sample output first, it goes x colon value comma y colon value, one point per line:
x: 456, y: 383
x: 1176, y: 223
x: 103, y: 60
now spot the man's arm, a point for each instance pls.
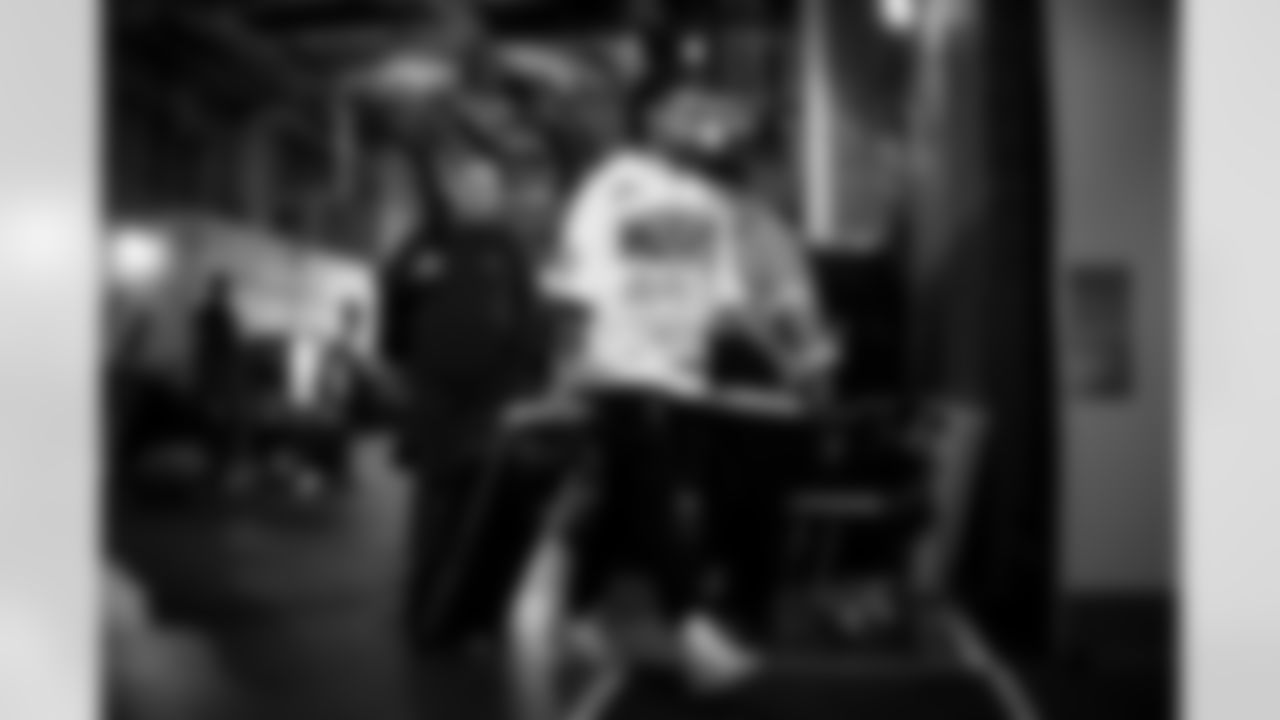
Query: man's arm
x: 568, y: 284
x: 780, y: 312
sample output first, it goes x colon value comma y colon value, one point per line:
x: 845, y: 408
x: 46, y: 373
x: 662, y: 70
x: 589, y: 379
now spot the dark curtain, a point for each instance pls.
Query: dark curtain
x: 982, y: 266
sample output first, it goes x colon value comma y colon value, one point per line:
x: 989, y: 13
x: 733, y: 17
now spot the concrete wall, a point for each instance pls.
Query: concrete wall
x: 1112, y: 67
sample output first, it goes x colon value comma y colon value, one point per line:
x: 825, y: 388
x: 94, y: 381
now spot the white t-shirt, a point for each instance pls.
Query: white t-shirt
x: 649, y: 250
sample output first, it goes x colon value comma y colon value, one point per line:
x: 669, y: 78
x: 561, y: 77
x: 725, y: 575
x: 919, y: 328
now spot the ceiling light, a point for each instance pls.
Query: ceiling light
x: 139, y: 258
x: 900, y: 15
x: 409, y: 74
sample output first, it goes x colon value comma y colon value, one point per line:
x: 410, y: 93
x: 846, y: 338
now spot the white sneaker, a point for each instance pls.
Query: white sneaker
x: 713, y: 659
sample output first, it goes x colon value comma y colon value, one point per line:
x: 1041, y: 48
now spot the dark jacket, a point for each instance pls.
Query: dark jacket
x: 468, y: 336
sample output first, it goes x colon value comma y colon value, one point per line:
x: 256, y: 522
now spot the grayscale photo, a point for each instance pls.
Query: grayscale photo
x: 638, y: 359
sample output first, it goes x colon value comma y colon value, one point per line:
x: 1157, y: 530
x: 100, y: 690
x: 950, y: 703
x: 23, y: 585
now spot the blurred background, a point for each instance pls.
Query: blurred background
x: 984, y: 188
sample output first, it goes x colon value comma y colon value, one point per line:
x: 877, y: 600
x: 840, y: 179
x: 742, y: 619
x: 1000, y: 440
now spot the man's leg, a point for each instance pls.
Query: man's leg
x: 440, y: 509
x: 712, y: 655
x: 653, y: 466
x: 748, y: 463
x: 629, y: 534
x: 647, y: 456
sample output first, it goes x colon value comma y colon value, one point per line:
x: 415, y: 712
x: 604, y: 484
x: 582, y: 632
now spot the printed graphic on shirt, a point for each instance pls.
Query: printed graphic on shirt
x: 677, y: 235
x: 670, y: 258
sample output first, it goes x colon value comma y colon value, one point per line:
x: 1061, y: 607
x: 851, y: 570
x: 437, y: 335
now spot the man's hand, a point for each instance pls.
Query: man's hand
x: 814, y: 389
x: 550, y: 409
x: 811, y: 366
x: 754, y: 401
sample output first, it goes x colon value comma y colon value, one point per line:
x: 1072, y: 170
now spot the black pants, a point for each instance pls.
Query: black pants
x: 719, y: 551
x: 647, y: 456
x: 444, y: 437
x: 748, y: 462
x: 478, y: 511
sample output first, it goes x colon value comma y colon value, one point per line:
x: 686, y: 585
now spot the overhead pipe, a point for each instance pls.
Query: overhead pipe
x: 817, y: 138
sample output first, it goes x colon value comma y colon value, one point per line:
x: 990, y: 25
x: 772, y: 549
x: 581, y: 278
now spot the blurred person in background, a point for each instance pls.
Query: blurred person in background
x: 478, y: 315
x: 537, y: 181
x: 408, y: 214
x: 458, y: 300
x: 219, y: 338
x: 489, y: 302
x: 355, y: 381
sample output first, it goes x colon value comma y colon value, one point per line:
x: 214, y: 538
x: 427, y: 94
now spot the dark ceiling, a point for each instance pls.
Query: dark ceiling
x: 222, y: 60
x: 188, y: 78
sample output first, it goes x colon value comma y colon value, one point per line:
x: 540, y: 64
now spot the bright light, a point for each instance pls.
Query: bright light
x: 306, y: 363
x: 138, y: 258
x: 410, y: 74
x: 900, y: 15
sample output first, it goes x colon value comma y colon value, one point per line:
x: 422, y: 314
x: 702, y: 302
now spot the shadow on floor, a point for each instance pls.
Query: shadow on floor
x: 302, y: 607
